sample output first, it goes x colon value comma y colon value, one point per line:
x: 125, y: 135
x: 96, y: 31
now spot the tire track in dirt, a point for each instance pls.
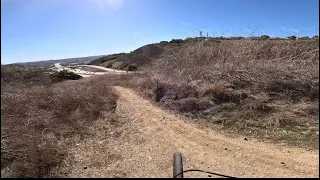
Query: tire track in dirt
x: 163, y: 134
x: 143, y: 143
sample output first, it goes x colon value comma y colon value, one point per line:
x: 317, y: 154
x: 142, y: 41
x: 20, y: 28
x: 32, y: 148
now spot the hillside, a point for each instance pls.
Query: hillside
x: 140, y: 57
x: 147, y: 54
x: 267, y: 89
x: 50, y: 63
x: 103, y: 59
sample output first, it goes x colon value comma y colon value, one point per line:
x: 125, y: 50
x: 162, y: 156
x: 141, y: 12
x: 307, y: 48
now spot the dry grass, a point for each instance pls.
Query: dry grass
x: 11, y: 75
x: 38, y: 123
x: 266, y: 89
x: 141, y: 56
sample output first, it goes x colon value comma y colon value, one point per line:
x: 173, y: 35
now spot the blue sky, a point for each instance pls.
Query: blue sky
x: 33, y: 30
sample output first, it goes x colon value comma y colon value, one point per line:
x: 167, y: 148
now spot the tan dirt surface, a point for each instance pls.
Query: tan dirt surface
x: 144, y: 144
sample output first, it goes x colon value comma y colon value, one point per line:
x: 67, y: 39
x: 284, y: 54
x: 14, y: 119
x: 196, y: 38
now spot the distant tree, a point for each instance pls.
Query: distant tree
x: 236, y: 37
x: 292, y: 37
x: 265, y: 37
x: 315, y: 37
x: 176, y: 41
x: 304, y: 38
x: 164, y: 42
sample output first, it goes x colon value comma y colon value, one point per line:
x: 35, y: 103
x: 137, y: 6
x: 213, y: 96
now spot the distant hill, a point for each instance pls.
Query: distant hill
x: 137, y: 58
x: 103, y: 59
x: 50, y: 63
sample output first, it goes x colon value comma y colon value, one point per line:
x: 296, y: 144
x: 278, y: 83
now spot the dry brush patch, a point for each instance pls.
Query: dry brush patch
x: 39, y: 122
x: 266, y: 89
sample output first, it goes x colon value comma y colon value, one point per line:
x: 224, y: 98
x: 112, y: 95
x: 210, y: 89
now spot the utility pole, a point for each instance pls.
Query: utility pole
x: 200, y: 33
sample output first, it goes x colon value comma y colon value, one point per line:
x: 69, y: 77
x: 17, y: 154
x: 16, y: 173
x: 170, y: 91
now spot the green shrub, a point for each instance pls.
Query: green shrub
x: 265, y: 37
x: 292, y: 37
x: 304, y: 38
x: 132, y: 67
x: 106, y: 58
x: 66, y: 75
x: 176, y: 41
x: 164, y: 42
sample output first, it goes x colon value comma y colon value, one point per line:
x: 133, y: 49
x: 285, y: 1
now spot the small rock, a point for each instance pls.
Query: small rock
x: 238, y: 148
x: 245, y: 139
x: 282, y: 163
x: 250, y: 132
x: 209, y: 176
x: 163, y: 117
x: 225, y: 148
x: 307, y: 149
x: 85, y: 167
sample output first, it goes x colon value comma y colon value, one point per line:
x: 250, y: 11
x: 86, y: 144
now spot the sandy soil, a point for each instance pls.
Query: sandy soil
x: 147, y: 136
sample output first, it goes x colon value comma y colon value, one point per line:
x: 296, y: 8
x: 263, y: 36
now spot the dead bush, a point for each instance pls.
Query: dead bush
x: 193, y: 105
x: 23, y: 75
x: 38, y: 120
x: 221, y: 95
x: 258, y: 79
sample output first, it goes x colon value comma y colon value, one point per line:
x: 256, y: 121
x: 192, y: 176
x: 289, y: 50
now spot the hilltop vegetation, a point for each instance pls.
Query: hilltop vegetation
x: 264, y: 88
x: 130, y: 61
x: 103, y: 59
x: 145, y: 55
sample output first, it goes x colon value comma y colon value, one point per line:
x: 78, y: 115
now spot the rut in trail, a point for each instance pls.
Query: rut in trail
x: 203, y: 149
x: 146, y: 146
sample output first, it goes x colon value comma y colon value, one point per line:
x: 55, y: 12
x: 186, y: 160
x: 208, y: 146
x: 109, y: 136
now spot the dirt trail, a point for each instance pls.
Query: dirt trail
x: 145, y: 147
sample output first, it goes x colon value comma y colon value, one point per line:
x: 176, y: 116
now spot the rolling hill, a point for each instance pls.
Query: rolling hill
x: 50, y: 63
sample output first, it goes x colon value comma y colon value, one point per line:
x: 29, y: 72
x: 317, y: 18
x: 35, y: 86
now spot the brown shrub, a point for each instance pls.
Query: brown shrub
x: 159, y: 92
x: 36, y: 121
x: 250, y: 84
x: 193, y: 105
x: 23, y: 75
x: 244, y: 64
